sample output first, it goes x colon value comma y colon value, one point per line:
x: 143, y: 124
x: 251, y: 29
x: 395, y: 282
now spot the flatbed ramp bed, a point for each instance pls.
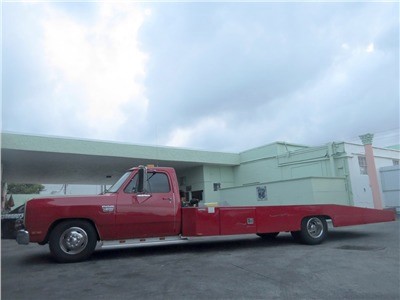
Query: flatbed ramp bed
x: 209, y: 221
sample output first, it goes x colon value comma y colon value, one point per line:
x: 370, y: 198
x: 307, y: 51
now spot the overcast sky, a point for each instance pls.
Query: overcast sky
x: 213, y: 76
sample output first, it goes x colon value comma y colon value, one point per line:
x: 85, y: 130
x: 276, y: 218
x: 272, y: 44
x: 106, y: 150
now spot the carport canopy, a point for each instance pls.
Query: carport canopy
x: 56, y: 160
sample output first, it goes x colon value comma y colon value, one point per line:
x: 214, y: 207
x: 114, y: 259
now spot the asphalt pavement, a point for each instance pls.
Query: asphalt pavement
x: 358, y: 262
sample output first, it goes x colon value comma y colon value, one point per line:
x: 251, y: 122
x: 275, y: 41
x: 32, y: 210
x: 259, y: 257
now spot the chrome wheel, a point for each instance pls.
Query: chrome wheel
x: 314, y: 230
x: 315, y: 227
x: 73, y: 240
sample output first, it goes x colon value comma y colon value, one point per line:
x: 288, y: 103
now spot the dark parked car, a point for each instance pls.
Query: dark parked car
x: 8, y: 230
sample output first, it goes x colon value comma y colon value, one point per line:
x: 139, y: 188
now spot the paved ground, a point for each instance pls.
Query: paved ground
x: 360, y: 262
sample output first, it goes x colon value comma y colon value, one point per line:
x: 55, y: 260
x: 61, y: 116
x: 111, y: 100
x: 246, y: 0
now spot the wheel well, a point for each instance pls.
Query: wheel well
x: 55, y: 223
x: 326, y: 217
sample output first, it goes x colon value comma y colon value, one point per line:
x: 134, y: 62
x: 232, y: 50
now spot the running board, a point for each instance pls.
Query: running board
x: 130, y: 243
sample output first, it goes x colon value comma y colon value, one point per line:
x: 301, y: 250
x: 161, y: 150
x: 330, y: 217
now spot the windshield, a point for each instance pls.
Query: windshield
x: 118, y: 184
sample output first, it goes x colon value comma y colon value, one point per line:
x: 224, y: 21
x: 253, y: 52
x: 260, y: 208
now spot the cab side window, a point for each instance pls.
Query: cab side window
x: 131, y: 187
x: 158, y: 183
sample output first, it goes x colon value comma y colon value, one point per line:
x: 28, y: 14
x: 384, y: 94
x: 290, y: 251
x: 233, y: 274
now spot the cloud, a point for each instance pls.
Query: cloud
x: 217, y: 76
x: 180, y: 136
x: 89, y: 71
x: 310, y: 77
x: 100, y: 65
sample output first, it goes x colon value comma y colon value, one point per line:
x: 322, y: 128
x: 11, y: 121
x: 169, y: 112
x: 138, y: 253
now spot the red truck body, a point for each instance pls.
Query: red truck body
x: 145, y: 205
x: 269, y: 219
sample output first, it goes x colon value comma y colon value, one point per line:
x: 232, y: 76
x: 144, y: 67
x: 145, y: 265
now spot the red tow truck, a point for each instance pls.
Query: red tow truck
x: 144, y: 207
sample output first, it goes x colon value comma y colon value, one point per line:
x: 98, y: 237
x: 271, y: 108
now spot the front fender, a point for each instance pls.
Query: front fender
x: 41, y: 215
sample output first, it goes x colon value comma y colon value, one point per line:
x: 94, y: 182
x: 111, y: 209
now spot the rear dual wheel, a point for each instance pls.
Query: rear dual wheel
x: 314, y: 230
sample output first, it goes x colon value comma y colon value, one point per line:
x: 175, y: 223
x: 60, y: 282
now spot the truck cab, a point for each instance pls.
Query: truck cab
x: 148, y: 203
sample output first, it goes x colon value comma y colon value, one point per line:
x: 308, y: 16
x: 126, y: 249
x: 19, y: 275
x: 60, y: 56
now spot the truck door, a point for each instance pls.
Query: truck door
x: 151, y: 213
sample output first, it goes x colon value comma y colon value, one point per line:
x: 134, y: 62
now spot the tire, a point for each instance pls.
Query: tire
x: 72, y: 241
x: 314, y: 230
x: 268, y: 236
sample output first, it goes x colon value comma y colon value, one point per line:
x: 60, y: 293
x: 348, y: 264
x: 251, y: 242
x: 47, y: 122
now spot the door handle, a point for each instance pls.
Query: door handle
x: 167, y: 198
x: 143, y: 195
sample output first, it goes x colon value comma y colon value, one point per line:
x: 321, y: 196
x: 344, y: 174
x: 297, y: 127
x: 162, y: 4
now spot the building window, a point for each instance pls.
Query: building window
x: 395, y: 162
x: 362, y: 162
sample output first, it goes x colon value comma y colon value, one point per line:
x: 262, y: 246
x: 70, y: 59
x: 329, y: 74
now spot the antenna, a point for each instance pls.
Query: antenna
x: 157, y: 148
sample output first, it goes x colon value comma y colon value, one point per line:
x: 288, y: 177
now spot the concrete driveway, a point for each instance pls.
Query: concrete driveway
x: 360, y: 262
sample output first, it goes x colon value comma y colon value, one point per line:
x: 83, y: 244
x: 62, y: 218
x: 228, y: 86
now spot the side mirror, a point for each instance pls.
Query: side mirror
x: 142, y: 177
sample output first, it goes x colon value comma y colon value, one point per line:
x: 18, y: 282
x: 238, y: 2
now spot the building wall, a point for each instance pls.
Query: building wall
x: 360, y: 187
x: 191, y: 180
x: 390, y: 181
x: 296, y: 175
x: 216, y: 178
x: 324, y: 161
x: 261, y: 164
x: 291, y: 175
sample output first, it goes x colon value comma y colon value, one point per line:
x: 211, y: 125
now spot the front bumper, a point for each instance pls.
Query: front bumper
x: 22, y: 237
